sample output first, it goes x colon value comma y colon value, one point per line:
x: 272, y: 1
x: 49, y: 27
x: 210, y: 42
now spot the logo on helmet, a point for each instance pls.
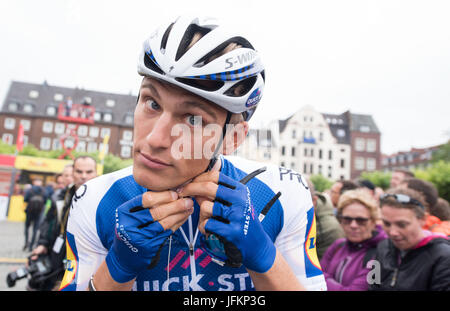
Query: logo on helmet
x: 254, y: 98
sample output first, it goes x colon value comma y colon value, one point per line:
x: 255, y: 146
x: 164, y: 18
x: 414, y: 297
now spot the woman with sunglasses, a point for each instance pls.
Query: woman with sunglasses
x: 412, y: 258
x: 344, y: 262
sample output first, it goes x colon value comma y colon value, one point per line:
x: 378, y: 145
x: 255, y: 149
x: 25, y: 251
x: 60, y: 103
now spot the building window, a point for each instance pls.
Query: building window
x: 59, y: 128
x: 33, y: 94
x: 105, y: 131
x: 82, y: 130
x: 81, y: 146
x: 293, y: 134
x: 125, y: 151
x: 282, y: 164
x: 107, y: 117
x: 51, y: 110
x: 312, y: 152
x: 364, y: 128
x: 293, y: 151
x: 304, y: 168
x: 13, y: 106
x: 320, y: 153
x: 25, y: 140
x: 371, y: 164
x: 371, y: 145
x: 56, y: 144
x: 340, y: 133
x: 45, y: 143
x: 92, y: 146
x: 93, y: 132
x: 127, y: 135
x: 106, y: 146
x: 26, y: 124
x: 359, y: 144
x: 47, y: 127
x: 58, y: 97
x: 311, y: 169
x: 320, y: 169
x: 292, y: 165
x: 342, y: 163
x: 9, y: 123
x: 359, y: 163
x: 305, y: 152
x: 28, y: 108
x: 110, y: 103
x: 283, y: 150
x: 320, y: 136
x: 97, y: 116
x: 330, y: 155
x: 8, y: 138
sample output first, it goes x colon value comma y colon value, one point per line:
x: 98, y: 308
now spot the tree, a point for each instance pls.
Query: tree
x: 378, y: 178
x: 442, y: 154
x: 438, y: 174
x: 320, y: 183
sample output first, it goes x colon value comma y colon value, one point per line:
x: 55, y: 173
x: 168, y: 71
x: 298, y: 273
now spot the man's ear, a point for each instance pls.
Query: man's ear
x: 235, y: 136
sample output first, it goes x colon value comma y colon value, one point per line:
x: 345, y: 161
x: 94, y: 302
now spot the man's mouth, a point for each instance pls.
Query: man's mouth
x: 152, y: 162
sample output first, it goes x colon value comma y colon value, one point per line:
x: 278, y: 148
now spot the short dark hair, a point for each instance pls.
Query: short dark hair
x: 83, y: 157
x: 347, y: 185
x: 365, y: 183
x: 428, y: 190
x: 441, y: 209
x: 390, y: 201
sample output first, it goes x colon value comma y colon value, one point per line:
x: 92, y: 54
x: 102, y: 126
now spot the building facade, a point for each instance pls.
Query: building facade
x: 416, y: 158
x: 37, y: 108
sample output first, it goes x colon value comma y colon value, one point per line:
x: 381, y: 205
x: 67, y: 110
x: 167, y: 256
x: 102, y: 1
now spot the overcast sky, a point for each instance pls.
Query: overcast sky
x: 390, y: 59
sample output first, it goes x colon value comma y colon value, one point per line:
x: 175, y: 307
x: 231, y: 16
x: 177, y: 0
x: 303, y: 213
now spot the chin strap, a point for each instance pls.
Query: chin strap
x: 215, y: 154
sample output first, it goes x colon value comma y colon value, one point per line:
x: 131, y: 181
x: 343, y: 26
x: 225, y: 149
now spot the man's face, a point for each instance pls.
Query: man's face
x: 67, y: 175
x: 162, y: 112
x: 396, y: 179
x: 402, y: 226
x: 335, y: 193
x: 84, y: 169
x: 60, y: 183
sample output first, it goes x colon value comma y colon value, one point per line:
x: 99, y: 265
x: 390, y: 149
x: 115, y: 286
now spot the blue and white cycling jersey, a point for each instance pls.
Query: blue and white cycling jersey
x: 183, y: 264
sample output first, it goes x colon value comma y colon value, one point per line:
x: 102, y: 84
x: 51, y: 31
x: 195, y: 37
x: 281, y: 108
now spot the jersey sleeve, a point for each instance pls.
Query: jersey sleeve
x: 84, y: 250
x: 297, y: 239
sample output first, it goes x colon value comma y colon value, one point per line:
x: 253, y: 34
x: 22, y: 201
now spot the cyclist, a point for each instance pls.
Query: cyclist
x: 194, y: 222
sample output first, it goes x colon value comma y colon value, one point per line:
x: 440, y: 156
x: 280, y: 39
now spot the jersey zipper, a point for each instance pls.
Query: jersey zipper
x: 191, y: 242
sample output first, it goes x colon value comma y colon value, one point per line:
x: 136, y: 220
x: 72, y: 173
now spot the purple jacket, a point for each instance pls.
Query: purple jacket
x: 342, y: 263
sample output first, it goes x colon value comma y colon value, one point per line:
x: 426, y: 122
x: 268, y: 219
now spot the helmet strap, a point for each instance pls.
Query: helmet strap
x: 224, y: 132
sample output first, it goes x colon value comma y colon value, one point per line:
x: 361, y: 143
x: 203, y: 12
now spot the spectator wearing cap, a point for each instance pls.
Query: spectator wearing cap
x: 412, y: 258
x: 344, y: 264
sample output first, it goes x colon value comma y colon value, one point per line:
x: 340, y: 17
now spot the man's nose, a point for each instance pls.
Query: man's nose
x: 160, y: 134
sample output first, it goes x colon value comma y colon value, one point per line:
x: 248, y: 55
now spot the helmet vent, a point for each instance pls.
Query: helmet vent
x: 191, y: 36
x: 219, y: 50
x: 150, y: 64
x: 206, y: 85
x: 165, y: 37
x: 242, y: 87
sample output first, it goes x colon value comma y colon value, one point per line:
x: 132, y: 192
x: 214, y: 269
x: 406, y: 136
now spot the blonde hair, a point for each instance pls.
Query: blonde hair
x: 359, y: 196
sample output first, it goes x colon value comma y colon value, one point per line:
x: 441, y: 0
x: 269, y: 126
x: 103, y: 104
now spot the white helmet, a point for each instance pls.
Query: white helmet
x: 232, y: 79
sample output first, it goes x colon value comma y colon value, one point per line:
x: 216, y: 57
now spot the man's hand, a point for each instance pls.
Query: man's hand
x: 39, y: 250
x: 227, y: 211
x: 142, y: 226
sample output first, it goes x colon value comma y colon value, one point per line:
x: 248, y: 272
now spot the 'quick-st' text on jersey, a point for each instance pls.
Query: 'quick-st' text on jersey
x: 183, y: 265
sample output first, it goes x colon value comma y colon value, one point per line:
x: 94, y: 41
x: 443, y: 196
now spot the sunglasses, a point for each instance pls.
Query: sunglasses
x: 346, y: 220
x: 220, y: 250
x: 401, y: 198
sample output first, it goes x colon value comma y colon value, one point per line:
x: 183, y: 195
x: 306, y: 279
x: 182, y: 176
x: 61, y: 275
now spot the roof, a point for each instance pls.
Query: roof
x: 363, y: 123
x: 339, y: 126
x: 282, y: 124
x: 19, y: 92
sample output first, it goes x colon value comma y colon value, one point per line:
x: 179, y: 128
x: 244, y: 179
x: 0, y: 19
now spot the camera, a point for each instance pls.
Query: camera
x: 38, y: 271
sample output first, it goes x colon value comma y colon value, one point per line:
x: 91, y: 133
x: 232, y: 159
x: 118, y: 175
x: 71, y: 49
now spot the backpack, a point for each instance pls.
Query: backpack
x: 35, y: 204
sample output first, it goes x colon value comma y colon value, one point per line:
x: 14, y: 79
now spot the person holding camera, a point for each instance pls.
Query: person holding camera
x: 51, y: 242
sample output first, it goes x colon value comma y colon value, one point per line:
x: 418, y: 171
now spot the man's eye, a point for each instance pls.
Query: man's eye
x: 151, y: 104
x: 194, y: 120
